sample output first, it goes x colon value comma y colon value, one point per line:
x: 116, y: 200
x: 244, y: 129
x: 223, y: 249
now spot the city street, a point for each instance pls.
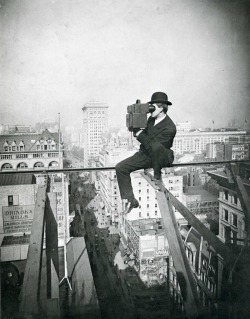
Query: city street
x: 120, y: 292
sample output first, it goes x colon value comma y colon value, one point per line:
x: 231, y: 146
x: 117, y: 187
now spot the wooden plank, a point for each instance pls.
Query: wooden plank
x: 52, y: 303
x: 212, y: 239
x: 184, y: 273
x: 31, y: 285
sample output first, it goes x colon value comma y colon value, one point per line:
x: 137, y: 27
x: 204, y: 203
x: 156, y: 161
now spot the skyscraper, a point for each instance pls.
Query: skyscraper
x: 95, y: 125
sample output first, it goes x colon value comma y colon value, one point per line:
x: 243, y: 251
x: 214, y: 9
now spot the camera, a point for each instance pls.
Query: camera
x: 136, y: 116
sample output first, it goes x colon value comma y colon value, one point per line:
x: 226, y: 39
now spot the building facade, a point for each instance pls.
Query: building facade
x: 17, y: 205
x: 95, y: 125
x: 195, y: 142
x: 30, y: 151
x: 183, y: 126
x: 231, y: 216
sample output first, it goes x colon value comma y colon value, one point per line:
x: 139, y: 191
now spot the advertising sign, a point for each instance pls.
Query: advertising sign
x: 57, y: 188
x: 18, y: 219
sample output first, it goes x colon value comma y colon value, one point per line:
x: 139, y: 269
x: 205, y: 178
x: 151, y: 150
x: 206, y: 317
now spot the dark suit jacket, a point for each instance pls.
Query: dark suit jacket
x: 163, y: 132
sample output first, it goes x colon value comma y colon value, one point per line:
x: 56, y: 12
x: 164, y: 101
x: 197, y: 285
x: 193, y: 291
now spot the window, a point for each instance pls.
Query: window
x: 13, y: 200
x: 147, y: 214
x: 235, y: 200
x: 234, y: 236
x: 10, y: 200
x: 139, y: 198
x: 139, y: 183
x: 147, y: 198
x: 234, y: 220
x: 147, y: 205
x: 226, y: 214
x: 226, y: 195
x: 139, y: 214
x: 155, y: 205
x: 156, y: 213
x: 147, y: 190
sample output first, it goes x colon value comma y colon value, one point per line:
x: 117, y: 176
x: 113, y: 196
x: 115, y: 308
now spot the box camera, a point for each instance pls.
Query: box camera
x: 137, y: 115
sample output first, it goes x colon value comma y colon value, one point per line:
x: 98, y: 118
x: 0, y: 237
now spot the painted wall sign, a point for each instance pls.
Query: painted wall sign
x: 18, y: 219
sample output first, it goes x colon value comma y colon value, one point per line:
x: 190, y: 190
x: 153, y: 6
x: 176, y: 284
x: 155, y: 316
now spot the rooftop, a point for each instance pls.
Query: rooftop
x: 17, y: 179
x: 198, y: 190
x: 29, y: 140
x: 147, y: 226
x: 93, y: 104
x: 222, y: 179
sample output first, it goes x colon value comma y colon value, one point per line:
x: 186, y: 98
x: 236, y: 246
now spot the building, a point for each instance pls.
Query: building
x: 42, y: 126
x: 30, y: 151
x: 149, y: 253
x: 231, y: 216
x: 106, y: 181
x: 195, y: 142
x: 200, y: 202
x: 149, y: 248
x: 234, y: 151
x: 215, y: 151
x: 95, y: 124
x: 17, y: 204
x: 183, y: 126
x: 148, y: 204
x: 18, y: 129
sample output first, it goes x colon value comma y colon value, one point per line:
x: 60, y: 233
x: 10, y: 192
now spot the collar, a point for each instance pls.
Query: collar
x: 159, y: 120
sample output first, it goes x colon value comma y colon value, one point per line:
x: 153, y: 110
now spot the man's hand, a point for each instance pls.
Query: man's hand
x: 135, y: 131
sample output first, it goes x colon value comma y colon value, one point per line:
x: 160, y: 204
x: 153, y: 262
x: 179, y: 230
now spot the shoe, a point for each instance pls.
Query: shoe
x: 129, y: 205
x: 133, y: 203
x: 158, y: 177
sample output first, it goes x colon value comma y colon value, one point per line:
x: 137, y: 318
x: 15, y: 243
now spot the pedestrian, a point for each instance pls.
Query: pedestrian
x: 155, y: 149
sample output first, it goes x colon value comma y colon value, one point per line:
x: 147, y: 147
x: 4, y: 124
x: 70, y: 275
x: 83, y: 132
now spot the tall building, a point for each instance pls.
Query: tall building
x: 95, y: 124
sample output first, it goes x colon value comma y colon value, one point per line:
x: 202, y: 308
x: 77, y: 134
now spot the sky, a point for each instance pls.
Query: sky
x: 57, y: 55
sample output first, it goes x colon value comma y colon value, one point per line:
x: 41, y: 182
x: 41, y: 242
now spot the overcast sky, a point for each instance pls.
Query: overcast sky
x: 57, y: 55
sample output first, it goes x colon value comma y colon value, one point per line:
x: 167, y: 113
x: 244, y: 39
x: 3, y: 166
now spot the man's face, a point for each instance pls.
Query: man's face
x: 158, y: 109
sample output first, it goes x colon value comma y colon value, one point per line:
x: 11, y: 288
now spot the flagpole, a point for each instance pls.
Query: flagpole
x: 59, y: 132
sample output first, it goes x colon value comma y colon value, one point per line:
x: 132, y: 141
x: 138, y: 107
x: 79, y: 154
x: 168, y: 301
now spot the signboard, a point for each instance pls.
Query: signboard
x: 57, y: 188
x: 18, y: 219
x: 161, y: 253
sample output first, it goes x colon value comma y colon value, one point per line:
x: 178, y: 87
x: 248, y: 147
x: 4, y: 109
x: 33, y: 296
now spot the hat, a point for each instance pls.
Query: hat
x: 159, y: 97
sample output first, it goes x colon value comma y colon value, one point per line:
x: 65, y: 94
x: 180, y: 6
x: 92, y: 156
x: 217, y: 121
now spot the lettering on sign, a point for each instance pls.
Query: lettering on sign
x: 161, y: 253
x: 17, y: 219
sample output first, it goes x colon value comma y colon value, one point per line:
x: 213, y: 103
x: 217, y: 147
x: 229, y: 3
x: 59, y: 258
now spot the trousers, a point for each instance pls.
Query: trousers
x: 158, y: 158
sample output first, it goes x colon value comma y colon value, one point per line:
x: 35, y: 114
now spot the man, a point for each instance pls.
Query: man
x: 155, y: 149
